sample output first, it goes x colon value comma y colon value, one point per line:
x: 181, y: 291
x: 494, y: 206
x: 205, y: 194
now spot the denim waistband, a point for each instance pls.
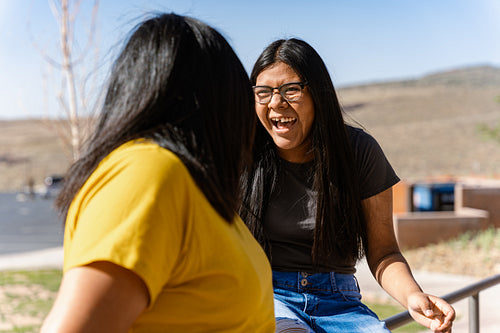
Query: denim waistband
x: 315, y: 283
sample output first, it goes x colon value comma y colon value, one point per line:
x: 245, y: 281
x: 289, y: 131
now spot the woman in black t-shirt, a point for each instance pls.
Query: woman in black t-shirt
x: 318, y: 197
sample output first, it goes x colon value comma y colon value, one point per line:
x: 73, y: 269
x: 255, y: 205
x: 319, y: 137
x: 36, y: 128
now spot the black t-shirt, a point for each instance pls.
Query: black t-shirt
x: 290, y: 216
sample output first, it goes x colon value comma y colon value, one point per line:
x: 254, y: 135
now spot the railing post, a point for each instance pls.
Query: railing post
x: 474, y: 313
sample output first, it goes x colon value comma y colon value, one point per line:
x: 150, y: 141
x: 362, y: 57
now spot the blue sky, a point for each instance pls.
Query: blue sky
x: 360, y: 40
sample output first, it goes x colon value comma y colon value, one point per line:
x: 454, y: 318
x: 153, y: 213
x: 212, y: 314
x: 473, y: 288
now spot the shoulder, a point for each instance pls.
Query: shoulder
x: 136, y: 178
x: 137, y: 169
x: 142, y: 152
x: 360, y: 139
x: 375, y: 172
x: 365, y: 147
x: 144, y: 159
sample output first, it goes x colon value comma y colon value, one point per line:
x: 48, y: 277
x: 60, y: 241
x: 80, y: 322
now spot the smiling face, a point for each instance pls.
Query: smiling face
x: 288, y: 123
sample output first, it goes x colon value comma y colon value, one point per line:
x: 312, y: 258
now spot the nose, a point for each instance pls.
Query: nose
x: 276, y: 100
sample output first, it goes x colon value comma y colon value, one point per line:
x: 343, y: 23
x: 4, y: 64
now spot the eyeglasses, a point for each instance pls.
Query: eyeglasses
x: 291, y: 92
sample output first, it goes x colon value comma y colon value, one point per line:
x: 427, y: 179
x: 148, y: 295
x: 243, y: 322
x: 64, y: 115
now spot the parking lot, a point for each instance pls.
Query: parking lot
x: 28, y: 223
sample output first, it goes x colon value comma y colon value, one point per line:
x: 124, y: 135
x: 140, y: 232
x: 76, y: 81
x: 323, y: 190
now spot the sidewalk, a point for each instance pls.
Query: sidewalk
x: 48, y: 258
x: 440, y: 284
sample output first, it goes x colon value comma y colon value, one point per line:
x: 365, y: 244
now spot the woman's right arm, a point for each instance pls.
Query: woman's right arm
x: 99, y: 297
x: 392, y: 271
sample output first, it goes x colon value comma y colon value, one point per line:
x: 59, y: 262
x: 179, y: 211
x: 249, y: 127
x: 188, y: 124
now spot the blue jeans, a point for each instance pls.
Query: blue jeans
x: 321, y: 302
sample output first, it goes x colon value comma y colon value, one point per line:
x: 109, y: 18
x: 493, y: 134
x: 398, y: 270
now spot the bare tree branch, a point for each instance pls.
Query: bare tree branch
x: 55, y: 11
x: 71, y: 96
x: 65, y: 29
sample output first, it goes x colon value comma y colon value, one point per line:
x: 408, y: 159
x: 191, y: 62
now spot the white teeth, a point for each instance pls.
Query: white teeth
x: 283, y: 120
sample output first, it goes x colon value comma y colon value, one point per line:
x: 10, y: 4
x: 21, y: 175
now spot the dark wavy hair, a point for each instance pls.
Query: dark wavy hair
x: 340, y: 230
x: 179, y: 83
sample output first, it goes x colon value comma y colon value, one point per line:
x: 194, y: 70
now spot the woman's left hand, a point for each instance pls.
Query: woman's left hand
x: 431, y: 312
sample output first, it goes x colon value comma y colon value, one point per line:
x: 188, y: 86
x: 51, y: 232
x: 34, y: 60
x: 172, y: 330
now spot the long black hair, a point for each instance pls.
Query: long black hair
x: 179, y: 83
x: 340, y: 230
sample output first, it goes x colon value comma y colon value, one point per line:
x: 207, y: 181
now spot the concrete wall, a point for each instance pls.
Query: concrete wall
x: 416, y: 229
x: 481, y: 197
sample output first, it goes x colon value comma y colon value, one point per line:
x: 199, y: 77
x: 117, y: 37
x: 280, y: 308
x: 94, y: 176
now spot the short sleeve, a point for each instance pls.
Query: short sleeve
x: 130, y: 212
x: 375, y: 172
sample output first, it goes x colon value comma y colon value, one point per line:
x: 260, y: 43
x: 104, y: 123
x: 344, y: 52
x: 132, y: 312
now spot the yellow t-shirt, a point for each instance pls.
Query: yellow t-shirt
x: 142, y: 210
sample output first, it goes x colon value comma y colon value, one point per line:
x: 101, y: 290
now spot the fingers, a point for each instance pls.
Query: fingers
x: 446, y: 310
x: 431, y: 312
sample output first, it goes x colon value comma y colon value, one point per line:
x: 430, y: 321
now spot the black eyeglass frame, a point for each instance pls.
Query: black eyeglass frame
x: 300, y: 84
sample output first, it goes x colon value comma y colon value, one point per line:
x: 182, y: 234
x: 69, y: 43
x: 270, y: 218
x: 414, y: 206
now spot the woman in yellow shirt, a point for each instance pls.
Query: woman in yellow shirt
x: 152, y: 241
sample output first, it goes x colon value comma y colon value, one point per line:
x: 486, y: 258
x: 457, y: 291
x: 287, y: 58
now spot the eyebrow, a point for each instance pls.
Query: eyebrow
x: 284, y: 84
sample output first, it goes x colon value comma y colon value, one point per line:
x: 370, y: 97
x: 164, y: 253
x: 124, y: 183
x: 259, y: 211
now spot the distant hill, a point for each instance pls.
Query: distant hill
x: 428, y: 127
x: 478, y: 77
x: 29, y: 151
x: 472, y: 76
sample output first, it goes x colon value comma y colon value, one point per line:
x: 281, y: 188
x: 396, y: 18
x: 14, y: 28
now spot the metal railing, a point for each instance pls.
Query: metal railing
x: 471, y: 291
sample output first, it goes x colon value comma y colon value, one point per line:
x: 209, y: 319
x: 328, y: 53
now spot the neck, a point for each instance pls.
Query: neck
x: 302, y: 156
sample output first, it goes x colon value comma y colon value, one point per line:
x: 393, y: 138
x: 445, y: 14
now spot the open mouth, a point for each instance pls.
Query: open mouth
x: 283, y: 122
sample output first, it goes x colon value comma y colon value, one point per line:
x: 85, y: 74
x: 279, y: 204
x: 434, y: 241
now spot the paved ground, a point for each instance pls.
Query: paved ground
x: 31, y: 238
x: 46, y: 258
x: 28, y: 224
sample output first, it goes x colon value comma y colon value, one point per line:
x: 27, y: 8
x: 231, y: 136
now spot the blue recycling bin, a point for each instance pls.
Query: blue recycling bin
x: 431, y: 197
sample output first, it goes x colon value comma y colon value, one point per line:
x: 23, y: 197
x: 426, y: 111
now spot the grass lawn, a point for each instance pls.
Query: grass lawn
x: 26, y: 298
x: 384, y: 311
